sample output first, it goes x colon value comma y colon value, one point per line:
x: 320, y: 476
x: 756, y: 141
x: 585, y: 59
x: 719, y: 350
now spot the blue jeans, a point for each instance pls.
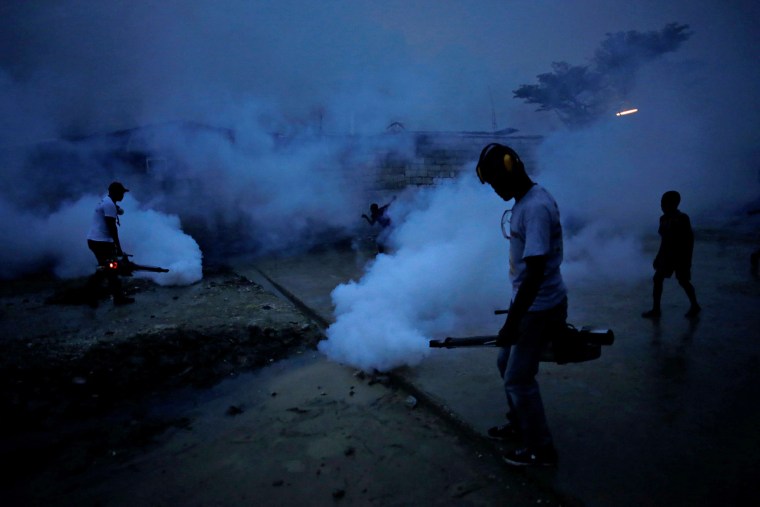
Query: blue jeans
x: 518, y: 366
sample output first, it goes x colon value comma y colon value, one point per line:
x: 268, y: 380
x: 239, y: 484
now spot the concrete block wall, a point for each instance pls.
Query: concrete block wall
x: 431, y: 157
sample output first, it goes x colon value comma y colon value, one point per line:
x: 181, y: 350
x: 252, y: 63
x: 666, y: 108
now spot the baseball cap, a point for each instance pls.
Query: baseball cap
x: 117, y: 187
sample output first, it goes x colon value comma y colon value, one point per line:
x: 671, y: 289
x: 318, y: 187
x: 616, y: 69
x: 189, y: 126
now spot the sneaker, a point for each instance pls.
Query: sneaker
x: 526, y: 457
x: 506, y: 431
x: 651, y: 314
x: 123, y: 301
x: 693, y: 311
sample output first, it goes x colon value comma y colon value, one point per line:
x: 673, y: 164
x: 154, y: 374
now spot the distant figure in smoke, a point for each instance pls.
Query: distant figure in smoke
x: 378, y: 215
x: 674, y: 255
x: 103, y: 240
x: 539, y: 304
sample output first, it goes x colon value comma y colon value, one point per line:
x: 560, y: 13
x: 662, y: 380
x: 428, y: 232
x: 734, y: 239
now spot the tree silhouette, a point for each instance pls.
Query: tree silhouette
x: 580, y: 94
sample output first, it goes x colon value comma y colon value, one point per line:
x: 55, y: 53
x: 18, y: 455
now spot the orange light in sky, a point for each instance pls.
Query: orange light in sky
x: 627, y: 111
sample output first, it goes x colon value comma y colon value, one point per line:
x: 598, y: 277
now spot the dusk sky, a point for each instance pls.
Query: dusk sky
x: 84, y: 66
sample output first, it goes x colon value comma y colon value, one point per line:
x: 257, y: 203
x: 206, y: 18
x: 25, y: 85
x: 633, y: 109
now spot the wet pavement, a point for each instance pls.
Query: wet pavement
x: 667, y: 415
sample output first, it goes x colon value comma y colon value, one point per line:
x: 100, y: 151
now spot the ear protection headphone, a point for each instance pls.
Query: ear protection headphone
x: 510, y: 160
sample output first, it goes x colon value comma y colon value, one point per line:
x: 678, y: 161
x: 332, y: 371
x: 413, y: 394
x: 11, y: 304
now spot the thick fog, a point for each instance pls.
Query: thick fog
x: 260, y: 119
x: 696, y: 131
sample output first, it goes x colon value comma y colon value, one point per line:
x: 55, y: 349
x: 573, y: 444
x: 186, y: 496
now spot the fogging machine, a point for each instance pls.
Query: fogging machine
x: 125, y: 267
x: 571, y: 345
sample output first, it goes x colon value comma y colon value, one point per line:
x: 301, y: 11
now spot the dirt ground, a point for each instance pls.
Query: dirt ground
x: 212, y: 394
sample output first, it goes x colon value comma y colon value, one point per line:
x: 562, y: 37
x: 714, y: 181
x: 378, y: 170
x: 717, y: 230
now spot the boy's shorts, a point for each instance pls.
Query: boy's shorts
x: 682, y: 274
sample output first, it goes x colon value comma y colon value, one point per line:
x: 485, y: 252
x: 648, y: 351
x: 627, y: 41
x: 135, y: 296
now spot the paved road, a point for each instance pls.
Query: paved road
x: 667, y: 416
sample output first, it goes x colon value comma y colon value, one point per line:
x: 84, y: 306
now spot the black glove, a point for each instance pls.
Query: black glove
x: 507, y: 335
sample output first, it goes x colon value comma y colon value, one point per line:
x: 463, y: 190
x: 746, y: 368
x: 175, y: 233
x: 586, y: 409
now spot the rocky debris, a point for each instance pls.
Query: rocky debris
x: 65, y: 364
x: 380, y: 379
x: 234, y: 410
x: 110, y: 372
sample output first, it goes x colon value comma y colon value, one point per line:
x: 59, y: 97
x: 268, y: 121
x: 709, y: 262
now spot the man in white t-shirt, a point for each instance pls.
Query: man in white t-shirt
x: 103, y: 240
x: 539, y: 301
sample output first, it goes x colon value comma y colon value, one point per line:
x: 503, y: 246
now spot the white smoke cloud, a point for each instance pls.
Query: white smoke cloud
x: 255, y: 193
x: 58, y: 242
x: 19, y: 236
x: 449, y: 272
x: 156, y: 239
x: 449, y: 269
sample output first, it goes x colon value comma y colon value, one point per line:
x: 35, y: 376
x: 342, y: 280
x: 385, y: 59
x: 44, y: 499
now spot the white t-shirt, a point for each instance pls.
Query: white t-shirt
x: 535, y: 230
x: 98, y: 230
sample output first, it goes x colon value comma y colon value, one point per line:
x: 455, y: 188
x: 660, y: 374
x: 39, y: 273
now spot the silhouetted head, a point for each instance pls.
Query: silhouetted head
x: 374, y: 207
x: 670, y: 201
x: 500, y: 166
x: 116, y: 190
